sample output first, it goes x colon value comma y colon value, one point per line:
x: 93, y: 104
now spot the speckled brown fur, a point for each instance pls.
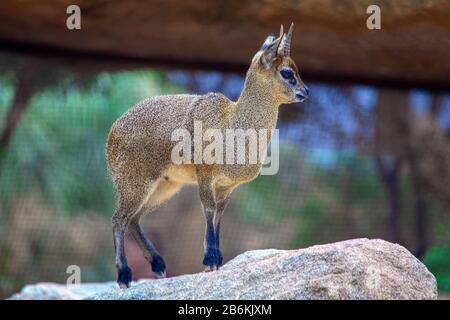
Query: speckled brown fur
x: 139, y: 151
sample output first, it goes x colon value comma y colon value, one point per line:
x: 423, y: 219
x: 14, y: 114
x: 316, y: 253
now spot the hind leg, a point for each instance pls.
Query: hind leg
x: 148, y: 249
x: 163, y: 191
x: 120, y: 224
x: 130, y: 202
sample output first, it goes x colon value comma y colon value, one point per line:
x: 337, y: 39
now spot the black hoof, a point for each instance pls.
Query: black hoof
x: 158, y: 266
x: 212, y: 259
x: 124, y: 277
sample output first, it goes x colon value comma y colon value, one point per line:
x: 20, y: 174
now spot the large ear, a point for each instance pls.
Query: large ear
x: 270, y: 50
x: 284, y: 49
x: 267, y: 43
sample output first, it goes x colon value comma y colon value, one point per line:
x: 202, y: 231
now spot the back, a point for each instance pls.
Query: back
x: 155, y: 116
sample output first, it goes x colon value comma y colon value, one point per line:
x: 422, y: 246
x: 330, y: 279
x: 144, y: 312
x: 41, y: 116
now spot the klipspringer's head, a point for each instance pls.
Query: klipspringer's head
x: 274, y: 67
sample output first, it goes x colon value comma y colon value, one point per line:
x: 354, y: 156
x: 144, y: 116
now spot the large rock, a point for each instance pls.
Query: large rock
x: 54, y: 291
x: 354, y: 269
x: 331, y: 38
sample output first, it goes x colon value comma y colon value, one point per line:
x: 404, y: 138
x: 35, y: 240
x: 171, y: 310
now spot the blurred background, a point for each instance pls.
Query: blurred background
x: 367, y: 156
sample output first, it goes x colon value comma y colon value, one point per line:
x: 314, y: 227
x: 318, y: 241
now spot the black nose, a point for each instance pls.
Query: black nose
x: 300, y: 96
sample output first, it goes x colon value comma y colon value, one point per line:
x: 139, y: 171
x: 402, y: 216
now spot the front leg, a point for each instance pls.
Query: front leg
x: 212, y: 259
x: 223, y: 197
x: 212, y: 256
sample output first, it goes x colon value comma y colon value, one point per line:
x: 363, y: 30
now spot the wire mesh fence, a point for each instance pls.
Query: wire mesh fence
x: 355, y: 161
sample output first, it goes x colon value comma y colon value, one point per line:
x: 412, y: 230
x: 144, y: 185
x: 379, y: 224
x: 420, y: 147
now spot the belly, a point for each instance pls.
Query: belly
x: 225, y: 175
x: 183, y: 173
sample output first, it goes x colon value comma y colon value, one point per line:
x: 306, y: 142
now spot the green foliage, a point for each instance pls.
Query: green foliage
x: 59, y: 146
x: 6, y: 95
x: 55, y: 193
x: 437, y: 261
x: 253, y: 200
x: 312, y: 213
x: 346, y: 192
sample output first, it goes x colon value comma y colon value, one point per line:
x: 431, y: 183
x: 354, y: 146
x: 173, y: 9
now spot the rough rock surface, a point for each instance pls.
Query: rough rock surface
x: 331, y: 37
x: 353, y: 269
x: 53, y: 291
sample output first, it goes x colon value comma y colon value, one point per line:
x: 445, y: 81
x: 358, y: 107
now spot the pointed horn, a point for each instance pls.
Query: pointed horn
x: 281, y: 31
x: 285, y: 46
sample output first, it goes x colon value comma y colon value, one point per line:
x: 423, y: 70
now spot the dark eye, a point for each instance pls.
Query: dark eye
x: 287, y: 74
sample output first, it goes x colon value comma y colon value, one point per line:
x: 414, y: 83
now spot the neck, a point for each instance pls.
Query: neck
x: 256, y: 107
